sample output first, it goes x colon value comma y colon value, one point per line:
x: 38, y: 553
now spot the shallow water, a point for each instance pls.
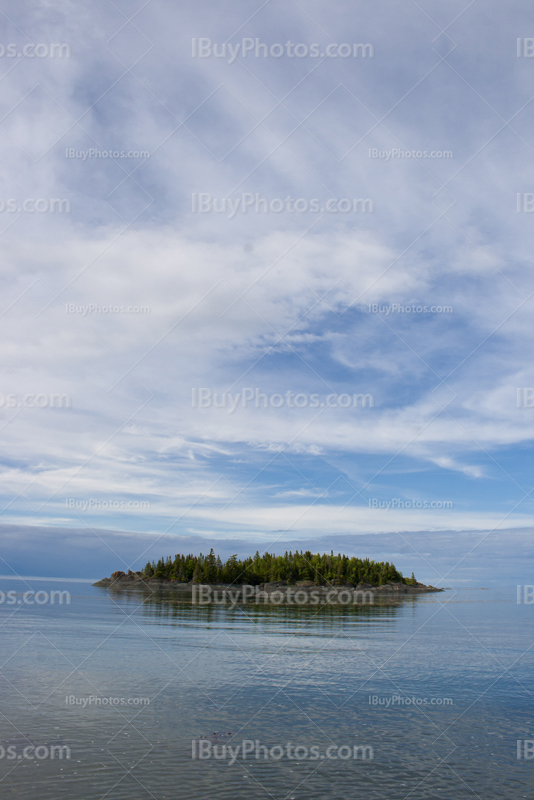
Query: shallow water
x: 270, y: 677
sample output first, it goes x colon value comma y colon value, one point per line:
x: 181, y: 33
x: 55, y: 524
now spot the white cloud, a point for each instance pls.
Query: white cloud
x: 274, y: 301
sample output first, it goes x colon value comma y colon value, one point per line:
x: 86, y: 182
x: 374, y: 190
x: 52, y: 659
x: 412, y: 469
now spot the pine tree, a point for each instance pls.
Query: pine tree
x: 323, y: 569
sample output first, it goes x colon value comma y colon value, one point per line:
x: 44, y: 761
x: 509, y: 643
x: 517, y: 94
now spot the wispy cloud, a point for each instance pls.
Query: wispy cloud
x: 138, y: 291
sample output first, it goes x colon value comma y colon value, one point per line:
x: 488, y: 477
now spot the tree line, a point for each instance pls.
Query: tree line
x: 321, y: 568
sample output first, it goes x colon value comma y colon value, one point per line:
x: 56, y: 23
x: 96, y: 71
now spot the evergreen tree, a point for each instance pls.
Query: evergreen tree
x: 322, y: 569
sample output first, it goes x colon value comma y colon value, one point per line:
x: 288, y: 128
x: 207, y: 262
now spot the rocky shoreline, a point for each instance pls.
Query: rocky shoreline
x: 278, y: 593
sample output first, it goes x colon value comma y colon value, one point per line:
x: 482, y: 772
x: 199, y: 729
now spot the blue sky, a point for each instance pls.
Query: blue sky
x: 297, y: 286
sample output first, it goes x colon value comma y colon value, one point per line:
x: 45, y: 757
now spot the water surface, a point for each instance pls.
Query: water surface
x: 436, y: 689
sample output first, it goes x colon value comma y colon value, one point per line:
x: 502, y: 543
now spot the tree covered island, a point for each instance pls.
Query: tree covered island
x: 321, y: 569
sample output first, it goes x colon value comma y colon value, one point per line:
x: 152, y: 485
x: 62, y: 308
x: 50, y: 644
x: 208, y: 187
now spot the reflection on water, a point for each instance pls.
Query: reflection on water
x: 418, y: 694
x: 161, y: 605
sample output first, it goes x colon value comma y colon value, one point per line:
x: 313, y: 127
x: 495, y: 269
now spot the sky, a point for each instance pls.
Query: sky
x: 295, y: 302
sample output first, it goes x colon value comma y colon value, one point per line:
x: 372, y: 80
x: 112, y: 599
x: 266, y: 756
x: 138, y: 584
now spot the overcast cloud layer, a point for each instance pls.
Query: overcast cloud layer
x: 124, y: 295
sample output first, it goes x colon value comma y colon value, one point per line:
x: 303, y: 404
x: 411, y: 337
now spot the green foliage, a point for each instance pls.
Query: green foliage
x: 321, y: 568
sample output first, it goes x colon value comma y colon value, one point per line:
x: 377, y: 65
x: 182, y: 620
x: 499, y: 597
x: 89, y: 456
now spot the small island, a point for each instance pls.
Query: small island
x: 268, y: 578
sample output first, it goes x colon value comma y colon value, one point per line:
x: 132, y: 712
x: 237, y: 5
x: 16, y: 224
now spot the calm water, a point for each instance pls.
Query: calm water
x: 272, y: 677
